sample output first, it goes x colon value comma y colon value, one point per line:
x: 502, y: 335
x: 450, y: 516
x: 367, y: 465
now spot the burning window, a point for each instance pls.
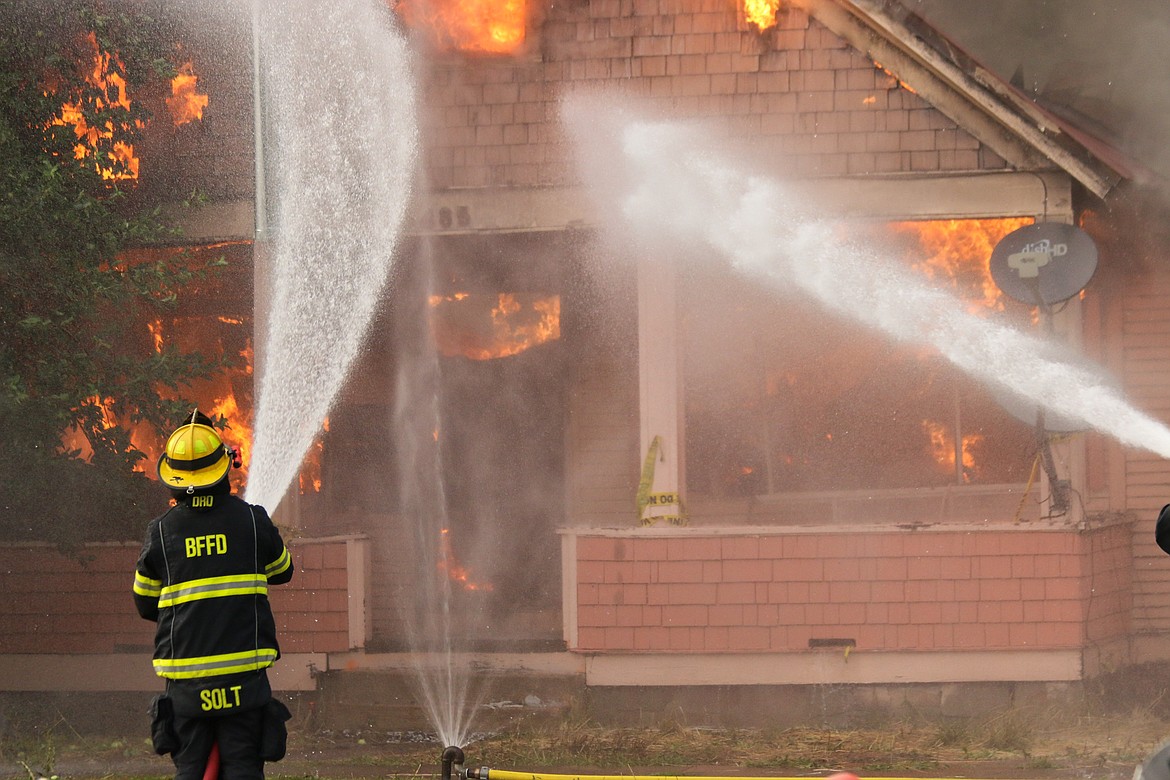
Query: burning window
x: 186, y: 103
x: 108, y: 84
x: 485, y: 326
x: 785, y: 397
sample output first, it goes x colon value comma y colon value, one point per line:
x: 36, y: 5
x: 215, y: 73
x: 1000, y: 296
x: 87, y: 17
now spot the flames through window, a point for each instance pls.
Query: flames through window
x: 783, y: 397
x: 494, y: 325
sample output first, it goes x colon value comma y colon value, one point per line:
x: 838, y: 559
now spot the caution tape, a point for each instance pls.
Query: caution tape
x: 647, y: 499
x: 662, y: 499
x: 646, y: 483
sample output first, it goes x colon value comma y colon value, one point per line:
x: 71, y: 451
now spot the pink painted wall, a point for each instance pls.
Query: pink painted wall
x: 768, y: 590
x: 816, y: 106
x: 53, y: 603
x: 774, y: 591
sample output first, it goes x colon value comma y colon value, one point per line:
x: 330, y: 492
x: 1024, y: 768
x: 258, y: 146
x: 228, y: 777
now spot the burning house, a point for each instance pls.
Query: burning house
x: 633, y: 465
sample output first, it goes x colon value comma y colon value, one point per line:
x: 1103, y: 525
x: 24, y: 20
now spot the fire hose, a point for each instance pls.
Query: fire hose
x: 500, y: 774
x: 453, y: 769
x: 211, y: 772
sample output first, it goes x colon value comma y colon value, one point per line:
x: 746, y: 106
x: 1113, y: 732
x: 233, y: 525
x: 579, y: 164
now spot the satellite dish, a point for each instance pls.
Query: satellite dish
x: 1047, y: 262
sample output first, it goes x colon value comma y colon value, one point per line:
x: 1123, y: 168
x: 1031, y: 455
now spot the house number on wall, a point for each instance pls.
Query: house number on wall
x: 459, y: 217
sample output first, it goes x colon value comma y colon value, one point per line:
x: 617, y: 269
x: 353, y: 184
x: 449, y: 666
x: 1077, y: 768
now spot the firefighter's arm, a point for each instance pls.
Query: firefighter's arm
x: 147, y: 585
x: 279, y: 568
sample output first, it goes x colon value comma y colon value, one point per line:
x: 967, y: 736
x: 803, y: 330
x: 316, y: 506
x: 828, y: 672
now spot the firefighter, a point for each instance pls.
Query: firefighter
x: 203, y: 576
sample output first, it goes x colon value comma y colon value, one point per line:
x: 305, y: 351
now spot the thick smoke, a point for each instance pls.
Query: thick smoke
x: 1099, y: 65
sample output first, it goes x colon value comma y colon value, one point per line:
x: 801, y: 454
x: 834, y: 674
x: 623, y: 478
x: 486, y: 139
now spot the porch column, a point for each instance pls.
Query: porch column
x: 660, y: 393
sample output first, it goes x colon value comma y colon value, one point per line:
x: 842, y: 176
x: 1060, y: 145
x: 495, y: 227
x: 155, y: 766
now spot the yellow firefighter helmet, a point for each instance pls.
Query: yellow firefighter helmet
x: 195, y: 457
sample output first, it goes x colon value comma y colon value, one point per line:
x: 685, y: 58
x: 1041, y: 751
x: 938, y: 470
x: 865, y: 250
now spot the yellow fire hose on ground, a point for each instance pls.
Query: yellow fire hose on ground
x: 498, y: 774
x: 453, y: 770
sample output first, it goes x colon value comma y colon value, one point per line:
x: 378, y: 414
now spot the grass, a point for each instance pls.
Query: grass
x: 1019, y: 743
x: 1026, y: 740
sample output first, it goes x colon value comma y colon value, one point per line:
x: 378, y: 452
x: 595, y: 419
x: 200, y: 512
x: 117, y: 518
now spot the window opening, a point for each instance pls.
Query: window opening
x: 785, y: 397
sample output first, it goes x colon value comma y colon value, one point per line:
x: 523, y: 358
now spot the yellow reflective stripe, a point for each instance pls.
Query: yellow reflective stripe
x: 145, y: 586
x: 281, y: 564
x: 214, y: 665
x: 213, y: 587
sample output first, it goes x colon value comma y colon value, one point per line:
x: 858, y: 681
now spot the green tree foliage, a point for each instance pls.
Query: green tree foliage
x: 74, y: 350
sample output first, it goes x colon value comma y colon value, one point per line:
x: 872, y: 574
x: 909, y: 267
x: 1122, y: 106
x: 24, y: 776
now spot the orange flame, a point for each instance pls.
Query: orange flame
x: 309, y: 479
x: 142, y: 437
x: 475, y: 26
x: 958, y: 251
x: 239, y: 428
x: 454, y: 571
x: 761, y: 13
x: 249, y: 357
x: 894, y: 76
x: 942, y: 447
x: 185, y: 103
x: 92, y: 140
x: 221, y: 389
x: 156, y: 333
x: 515, y: 323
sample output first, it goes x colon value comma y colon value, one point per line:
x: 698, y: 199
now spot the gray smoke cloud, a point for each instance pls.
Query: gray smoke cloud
x: 1103, y: 62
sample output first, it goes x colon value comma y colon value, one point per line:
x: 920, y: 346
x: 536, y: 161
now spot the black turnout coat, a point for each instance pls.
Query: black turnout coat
x: 203, y: 576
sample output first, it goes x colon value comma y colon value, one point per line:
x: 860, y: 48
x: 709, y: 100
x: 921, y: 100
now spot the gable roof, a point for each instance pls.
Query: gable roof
x: 1026, y: 134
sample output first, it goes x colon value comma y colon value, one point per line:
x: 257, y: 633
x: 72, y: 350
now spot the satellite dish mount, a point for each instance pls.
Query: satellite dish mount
x: 1043, y: 264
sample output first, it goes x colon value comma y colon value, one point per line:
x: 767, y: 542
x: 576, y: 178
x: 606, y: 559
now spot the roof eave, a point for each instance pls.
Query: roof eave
x: 1026, y: 136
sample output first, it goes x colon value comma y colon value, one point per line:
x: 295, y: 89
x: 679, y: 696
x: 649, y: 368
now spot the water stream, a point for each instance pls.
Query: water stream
x: 443, y: 682
x: 340, y: 146
x: 339, y: 160
x: 669, y: 188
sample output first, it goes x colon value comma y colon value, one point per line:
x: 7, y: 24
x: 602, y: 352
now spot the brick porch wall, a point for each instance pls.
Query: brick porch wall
x: 774, y: 590
x: 55, y: 603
